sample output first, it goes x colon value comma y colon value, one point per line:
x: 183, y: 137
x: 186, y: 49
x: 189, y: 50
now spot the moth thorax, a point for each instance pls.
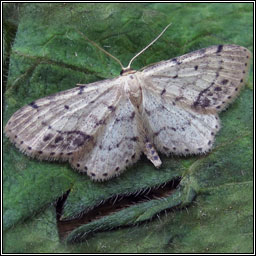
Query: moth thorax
x: 134, y: 90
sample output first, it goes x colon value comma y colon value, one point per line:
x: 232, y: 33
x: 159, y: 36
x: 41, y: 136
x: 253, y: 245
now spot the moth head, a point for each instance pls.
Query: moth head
x: 127, y: 71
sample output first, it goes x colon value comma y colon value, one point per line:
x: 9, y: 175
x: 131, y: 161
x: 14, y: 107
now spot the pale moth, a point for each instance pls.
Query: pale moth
x: 103, y: 127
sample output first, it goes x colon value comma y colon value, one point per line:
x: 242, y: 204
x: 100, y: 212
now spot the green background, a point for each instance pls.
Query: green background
x: 48, y: 55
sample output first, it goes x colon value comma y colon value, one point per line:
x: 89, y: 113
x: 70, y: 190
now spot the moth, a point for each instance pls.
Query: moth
x: 102, y: 128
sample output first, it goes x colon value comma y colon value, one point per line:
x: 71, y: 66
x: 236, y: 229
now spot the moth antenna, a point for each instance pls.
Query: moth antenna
x: 97, y: 46
x: 129, y: 65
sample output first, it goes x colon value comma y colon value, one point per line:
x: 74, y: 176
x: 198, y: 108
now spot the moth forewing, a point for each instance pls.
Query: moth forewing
x: 206, y: 80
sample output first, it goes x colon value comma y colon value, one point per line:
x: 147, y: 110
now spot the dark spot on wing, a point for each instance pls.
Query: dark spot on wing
x: 134, y: 139
x: 219, y: 49
x: 78, y: 141
x: 224, y: 81
x: 111, y: 108
x: 179, y: 98
x: 33, y: 105
x: 47, y: 137
x: 147, y: 112
x: 101, y: 122
x: 149, y: 145
x: 205, y: 102
x: 132, y: 115
x: 217, y: 89
x: 163, y: 92
x: 81, y: 89
x: 196, y: 67
x: 156, y: 133
x: 66, y: 107
x: 176, y: 61
x: 58, y: 139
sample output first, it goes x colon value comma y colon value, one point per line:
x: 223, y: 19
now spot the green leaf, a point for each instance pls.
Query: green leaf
x: 48, y: 55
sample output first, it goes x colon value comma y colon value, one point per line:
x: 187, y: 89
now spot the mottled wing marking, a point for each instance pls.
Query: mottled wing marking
x: 118, y: 145
x: 205, y: 80
x: 177, y: 130
x: 57, y: 126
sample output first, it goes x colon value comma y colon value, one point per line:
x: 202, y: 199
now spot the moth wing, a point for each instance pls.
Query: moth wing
x: 57, y: 126
x: 175, y: 129
x: 118, y: 144
x: 205, y: 80
x: 93, y: 126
